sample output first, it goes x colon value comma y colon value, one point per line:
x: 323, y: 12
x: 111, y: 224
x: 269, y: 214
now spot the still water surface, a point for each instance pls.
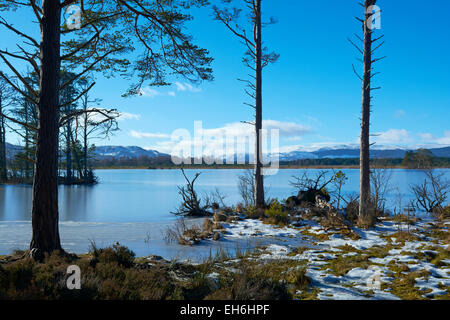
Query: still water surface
x: 134, y: 207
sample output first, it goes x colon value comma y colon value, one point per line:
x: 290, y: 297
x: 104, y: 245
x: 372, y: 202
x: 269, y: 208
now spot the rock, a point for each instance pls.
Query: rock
x: 205, y: 235
x: 208, y: 225
x: 309, y: 196
x: 430, y: 254
x: 212, y: 280
x: 218, y: 226
x: 220, y: 217
x: 292, y: 202
x: 216, y: 236
x: 190, y: 237
x: 188, y: 242
x: 155, y: 258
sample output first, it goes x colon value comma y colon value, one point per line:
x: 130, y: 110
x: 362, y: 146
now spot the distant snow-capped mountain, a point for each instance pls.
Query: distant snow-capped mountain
x: 352, y: 151
x: 119, y: 152
x: 101, y: 152
x: 336, y: 152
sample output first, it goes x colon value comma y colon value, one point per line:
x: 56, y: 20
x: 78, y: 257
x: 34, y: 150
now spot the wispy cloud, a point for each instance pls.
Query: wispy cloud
x: 286, y: 129
x: 214, y: 138
x: 150, y: 92
x: 432, y: 139
x: 186, y: 87
x: 148, y: 135
x: 128, y: 116
x: 393, y: 136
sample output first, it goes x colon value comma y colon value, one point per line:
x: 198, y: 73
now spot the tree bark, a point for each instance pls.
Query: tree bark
x: 259, y: 179
x: 27, y: 141
x: 69, y: 153
x: 3, y: 168
x: 85, y: 141
x: 365, y: 211
x: 45, y: 217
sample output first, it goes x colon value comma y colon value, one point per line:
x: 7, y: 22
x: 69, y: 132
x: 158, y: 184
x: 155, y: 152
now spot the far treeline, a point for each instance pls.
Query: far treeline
x: 419, y: 159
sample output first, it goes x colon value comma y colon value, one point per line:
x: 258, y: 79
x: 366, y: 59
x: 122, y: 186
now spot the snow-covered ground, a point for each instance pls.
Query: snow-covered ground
x: 379, y: 265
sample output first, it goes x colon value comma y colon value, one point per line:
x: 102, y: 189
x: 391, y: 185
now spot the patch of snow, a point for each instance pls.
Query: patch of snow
x: 252, y: 228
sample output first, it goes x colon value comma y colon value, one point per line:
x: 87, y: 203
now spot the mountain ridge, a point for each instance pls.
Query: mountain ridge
x: 342, y: 151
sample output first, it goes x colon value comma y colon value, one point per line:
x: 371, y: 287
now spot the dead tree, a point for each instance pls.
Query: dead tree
x: 366, y: 212
x: 256, y: 58
x: 191, y: 205
x: 380, y: 179
x: 246, y: 186
x: 106, y: 33
x: 432, y: 194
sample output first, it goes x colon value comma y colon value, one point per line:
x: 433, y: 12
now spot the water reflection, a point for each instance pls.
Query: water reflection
x: 133, y: 207
x: 150, y: 195
x: 74, y: 201
x: 15, y: 203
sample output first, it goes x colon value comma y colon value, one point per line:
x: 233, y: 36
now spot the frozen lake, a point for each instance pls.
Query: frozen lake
x: 134, y: 207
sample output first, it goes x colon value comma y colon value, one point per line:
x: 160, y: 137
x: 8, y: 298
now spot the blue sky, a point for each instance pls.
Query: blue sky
x: 311, y: 93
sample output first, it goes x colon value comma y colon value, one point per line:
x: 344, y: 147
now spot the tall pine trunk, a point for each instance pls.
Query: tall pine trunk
x: 45, y: 187
x: 366, y: 217
x: 3, y: 168
x: 69, y: 154
x: 85, y: 146
x: 259, y: 179
x: 27, y: 142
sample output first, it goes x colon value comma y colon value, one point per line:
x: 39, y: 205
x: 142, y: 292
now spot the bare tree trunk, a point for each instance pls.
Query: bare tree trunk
x: 27, y: 142
x: 365, y: 211
x: 259, y: 179
x: 3, y: 168
x: 69, y: 154
x: 45, y: 188
x: 85, y: 142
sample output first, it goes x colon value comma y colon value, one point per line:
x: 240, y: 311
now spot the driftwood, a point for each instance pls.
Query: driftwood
x: 191, y: 205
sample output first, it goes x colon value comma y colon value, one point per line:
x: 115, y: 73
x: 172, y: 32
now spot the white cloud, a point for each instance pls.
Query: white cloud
x: 289, y: 130
x: 393, y: 136
x: 432, y: 139
x: 426, y: 136
x: 129, y: 116
x: 149, y: 92
x: 186, y: 87
x: 146, y: 135
x: 214, y: 139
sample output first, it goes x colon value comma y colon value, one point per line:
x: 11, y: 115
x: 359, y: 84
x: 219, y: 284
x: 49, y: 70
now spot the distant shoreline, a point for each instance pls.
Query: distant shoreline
x: 228, y: 167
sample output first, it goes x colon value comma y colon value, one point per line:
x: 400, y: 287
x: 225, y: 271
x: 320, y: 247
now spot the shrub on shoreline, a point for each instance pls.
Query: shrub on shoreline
x: 115, y: 274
